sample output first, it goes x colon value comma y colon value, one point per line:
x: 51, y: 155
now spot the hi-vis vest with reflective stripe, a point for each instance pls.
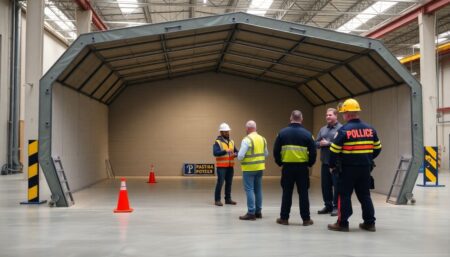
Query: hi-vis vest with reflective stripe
x: 294, y: 153
x: 254, y: 159
x: 225, y: 160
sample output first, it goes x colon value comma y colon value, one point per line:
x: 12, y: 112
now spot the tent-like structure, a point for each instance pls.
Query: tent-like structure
x: 324, y: 66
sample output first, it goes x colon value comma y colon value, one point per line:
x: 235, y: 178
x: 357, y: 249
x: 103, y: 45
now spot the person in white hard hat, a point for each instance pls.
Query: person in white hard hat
x: 225, y: 151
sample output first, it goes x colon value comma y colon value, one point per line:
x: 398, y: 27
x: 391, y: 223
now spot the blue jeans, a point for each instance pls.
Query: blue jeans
x: 253, y: 188
x: 224, y: 174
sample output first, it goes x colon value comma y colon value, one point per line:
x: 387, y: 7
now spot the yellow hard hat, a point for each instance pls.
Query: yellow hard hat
x: 349, y: 105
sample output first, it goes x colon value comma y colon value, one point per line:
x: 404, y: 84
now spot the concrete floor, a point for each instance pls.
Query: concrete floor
x: 176, y: 217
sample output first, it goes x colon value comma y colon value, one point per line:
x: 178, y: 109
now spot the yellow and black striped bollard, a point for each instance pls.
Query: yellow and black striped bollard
x: 33, y: 173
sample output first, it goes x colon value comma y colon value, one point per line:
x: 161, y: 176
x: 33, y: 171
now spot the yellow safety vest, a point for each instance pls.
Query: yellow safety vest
x: 255, y: 158
x: 226, y: 160
x: 294, y: 153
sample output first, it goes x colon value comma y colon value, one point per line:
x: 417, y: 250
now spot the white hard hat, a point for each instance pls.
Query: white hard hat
x: 224, y: 127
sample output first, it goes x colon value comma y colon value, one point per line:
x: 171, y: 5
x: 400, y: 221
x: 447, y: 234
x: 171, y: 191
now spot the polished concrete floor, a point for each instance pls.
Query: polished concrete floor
x: 176, y: 217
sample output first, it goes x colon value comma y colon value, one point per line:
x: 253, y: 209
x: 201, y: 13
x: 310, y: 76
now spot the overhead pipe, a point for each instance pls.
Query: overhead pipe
x: 96, y: 20
x: 13, y: 164
x: 407, y: 18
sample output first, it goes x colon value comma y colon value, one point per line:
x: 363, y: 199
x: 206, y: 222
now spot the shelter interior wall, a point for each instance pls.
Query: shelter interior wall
x: 389, y: 111
x: 172, y: 122
x: 80, y: 136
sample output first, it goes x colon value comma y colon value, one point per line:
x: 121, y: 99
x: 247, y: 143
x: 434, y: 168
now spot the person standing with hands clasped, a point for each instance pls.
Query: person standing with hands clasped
x: 225, y: 151
x: 328, y: 179
x: 295, y: 151
x: 354, y: 147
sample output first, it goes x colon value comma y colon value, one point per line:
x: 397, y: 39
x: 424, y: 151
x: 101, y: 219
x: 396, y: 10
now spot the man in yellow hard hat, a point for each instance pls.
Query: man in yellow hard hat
x: 354, y: 147
x: 225, y: 151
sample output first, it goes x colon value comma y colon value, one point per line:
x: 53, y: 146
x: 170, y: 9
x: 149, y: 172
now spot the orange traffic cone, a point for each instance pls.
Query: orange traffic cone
x: 151, y: 176
x: 122, y: 204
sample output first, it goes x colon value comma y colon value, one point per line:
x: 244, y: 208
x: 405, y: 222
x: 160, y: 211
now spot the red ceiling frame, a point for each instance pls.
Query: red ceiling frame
x: 96, y: 20
x: 427, y: 8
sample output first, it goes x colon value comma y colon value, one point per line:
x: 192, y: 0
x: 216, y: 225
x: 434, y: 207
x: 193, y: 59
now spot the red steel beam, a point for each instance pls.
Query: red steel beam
x: 96, y: 20
x: 427, y: 8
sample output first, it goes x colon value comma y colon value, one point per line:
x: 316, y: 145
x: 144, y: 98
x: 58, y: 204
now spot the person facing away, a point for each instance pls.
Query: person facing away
x: 295, y: 151
x: 225, y: 151
x: 327, y: 178
x: 353, y: 149
x: 252, y: 156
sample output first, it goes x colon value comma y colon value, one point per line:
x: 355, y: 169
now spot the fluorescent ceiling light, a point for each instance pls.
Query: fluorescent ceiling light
x: 61, y: 20
x: 443, y: 37
x: 366, y: 15
x: 261, y: 7
x: 127, y: 6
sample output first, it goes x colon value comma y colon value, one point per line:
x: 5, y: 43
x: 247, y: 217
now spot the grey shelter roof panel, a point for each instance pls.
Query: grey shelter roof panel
x: 101, y: 90
x: 310, y: 95
x: 340, y: 46
x: 385, y: 66
x: 96, y: 79
x: 253, y: 50
x: 78, y: 60
x: 377, y: 78
x: 324, y: 93
x: 148, y: 58
x: 270, y: 32
x: 196, y: 39
x: 334, y: 86
x: 322, y: 65
x: 125, y: 42
x: 246, y: 61
x: 298, y: 69
x: 83, y: 71
x: 130, y: 50
x: 347, y: 78
x: 323, y: 52
x: 263, y: 40
x: 308, y: 62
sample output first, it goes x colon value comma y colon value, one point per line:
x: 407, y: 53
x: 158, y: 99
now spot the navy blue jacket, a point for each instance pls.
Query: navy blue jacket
x: 356, y: 143
x: 295, y: 134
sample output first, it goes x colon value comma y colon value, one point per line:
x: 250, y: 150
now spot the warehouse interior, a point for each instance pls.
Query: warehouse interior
x: 132, y: 99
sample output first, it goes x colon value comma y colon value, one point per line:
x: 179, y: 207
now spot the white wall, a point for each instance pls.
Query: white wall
x: 79, y: 136
x: 5, y: 35
x: 444, y: 127
x: 175, y: 121
x: 389, y: 112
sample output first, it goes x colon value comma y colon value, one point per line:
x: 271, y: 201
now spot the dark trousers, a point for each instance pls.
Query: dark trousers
x: 295, y: 175
x: 224, y: 174
x: 329, y: 187
x: 357, y: 178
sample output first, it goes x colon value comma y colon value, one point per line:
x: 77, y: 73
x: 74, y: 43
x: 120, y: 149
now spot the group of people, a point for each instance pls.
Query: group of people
x: 347, y: 154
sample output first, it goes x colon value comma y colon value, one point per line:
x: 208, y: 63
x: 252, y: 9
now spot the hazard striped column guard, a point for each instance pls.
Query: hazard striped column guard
x: 33, y: 173
x: 430, y: 167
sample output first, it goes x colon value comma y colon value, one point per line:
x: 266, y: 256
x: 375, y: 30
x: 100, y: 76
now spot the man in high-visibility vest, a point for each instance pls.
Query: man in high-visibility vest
x: 354, y: 147
x: 295, y: 150
x: 253, y: 155
x: 225, y: 151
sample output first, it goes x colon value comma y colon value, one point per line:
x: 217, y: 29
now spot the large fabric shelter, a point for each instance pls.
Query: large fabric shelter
x: 324, y: 66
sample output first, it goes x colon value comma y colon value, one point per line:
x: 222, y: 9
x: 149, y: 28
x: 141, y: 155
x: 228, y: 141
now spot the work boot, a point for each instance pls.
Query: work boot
x: 337, y: 227
x: 334, y: 212
x: 282, y: 221
x: 248, y: 216
x: 218, y: 203
x: 308, y: 222
x: 258, y: 215
x: 368, y: 227
x: 230, y: 202
x: 325, y: 210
